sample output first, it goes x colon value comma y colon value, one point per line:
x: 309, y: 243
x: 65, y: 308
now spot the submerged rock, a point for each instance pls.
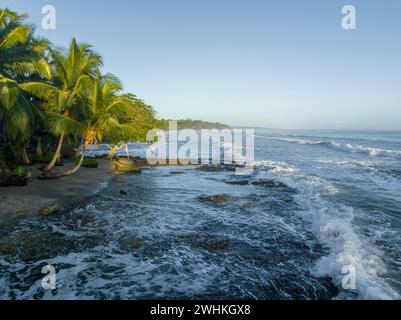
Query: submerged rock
x: 245, y: 206
x: 29, y: 246
x: 269, y: 184
x: 48, y: 211
x: 205, y: 242
x: 217, y: 168
x: 177, y: 172
x: 216, y: 199
x: 130, y: 243
x: 238, y: 182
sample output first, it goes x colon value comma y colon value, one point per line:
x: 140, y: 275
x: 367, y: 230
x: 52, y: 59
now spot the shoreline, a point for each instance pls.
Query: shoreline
x: 48, y: 196
x: 44, y: 195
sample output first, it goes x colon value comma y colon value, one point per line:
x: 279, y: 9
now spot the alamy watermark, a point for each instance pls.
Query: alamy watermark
x: 50, y: 278
x: 349, y: 280
x: 49, y: 20
x: 348, y: 21
x: 206, y: 146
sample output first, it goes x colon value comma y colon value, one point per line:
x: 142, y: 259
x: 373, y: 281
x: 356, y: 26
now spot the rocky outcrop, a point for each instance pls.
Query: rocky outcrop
x: 177, y: 172
x: 12, y: 180
x: 127, y: 166
x: 130, y: 243
x: 205, y: 242
x: 217, y: 199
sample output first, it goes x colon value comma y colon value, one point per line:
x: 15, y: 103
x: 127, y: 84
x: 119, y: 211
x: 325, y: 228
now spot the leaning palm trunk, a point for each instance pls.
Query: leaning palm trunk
x: 69, y: 172
x: 113, y: 150
x: 39, y: 149
x: 25, y: 157
x: 56, y: 156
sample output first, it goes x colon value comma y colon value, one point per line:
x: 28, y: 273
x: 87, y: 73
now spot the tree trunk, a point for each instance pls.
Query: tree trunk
x: 69, y: 172
x: 113, y: 151
x: 25, y: 157
x: 39, y: 149
x: 56, y: 156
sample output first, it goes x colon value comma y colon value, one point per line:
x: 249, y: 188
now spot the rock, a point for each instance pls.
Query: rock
x: 213, y: 245
x: 37, y: 246
x: 123, y: 193
x: 245, y: 206
x: 269, y: 184
x: 127, y: 166
x: 48, y: 211
x: 130, y: 243
x: 217, y: 168
x: 205, y: 242
x: 216, y: 199
x: 13, y: 180
x: 177, y: 172
x: 238, y: 182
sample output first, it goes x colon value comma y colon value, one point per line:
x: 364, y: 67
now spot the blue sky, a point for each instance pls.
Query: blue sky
x: 280, y: 64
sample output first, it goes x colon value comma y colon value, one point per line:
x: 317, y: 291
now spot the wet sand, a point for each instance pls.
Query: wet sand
x: 54, y: 194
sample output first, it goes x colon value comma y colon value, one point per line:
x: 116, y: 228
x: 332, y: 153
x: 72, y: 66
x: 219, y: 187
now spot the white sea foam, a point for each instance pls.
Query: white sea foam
x: 333, y: 225
x: 355, y: 148
x: 365, y: 149
x: 299, y: 141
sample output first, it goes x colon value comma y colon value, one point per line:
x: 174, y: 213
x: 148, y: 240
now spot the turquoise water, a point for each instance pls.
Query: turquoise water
x: 336, y: 202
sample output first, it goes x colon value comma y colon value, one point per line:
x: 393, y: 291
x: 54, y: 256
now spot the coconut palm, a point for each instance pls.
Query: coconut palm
x: 98, y: 116
x: 72, y: 72
x: 22, y: 58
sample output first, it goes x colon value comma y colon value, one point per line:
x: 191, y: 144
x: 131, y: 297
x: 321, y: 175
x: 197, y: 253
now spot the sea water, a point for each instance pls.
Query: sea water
x: 336, y: 203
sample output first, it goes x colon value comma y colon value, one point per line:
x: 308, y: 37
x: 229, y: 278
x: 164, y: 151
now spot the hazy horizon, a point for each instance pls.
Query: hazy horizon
x: 286, y: 65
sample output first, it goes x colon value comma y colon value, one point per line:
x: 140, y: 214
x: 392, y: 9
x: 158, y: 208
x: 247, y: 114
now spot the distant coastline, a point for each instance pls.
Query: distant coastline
x: 192, y: 124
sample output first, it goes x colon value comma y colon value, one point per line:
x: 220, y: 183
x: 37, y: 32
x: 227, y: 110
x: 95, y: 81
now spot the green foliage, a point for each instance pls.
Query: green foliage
x: 52, y: 93
x: 191, y: 124
x: 20, y: 171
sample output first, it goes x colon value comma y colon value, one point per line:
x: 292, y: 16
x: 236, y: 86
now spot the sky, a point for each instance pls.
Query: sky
x: 257, y: 63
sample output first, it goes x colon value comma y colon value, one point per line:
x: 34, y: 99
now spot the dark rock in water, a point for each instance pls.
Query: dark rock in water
x: 177, y: 172
x: 216, y: 199
x: 29, y: 246
x: 245, y: 206
x: 238, y: 182
x: 13, y: 180
x: 130, y: 243
x: 212, y: 245
x: 123, y: 193
x: 48, y: 211
x: 217, y: 168
x: 205, y: 242
x: 269, y: 184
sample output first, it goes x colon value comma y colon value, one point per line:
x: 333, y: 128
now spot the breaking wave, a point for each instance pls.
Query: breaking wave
x: 333, y: 225
x: 355, y: 148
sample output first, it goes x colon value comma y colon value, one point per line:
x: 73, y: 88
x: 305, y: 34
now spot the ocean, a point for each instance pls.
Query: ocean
x: 317, y: 205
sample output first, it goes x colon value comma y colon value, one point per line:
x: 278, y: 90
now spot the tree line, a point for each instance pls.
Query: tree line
x: 53, y: 100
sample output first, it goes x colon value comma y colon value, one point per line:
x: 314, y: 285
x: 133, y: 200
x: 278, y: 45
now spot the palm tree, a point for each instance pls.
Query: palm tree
x: 140, y: 118
x: 73, y: 71
x: 22, y: 58
x: 98, y: 116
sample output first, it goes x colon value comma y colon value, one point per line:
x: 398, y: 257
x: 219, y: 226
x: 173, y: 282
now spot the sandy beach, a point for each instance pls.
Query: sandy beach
x: 54, y: 194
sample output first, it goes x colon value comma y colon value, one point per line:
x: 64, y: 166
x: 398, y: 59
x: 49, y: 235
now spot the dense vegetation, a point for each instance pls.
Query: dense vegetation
x: 192, y: 124
x: 54, y: 101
